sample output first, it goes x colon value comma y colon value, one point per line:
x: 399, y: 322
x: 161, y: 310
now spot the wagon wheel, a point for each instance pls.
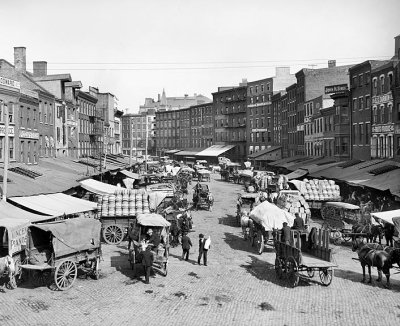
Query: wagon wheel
x: 337, y: 237
x: 326, y: 275
x: 330, y: 212
x: 96, y: 269
x: 292, y: 269
x: 310, y: 272
x: 65, y: 275
x: 113, y: 234
x: 323, y: 212
x: 278, y: 268
x: 260, y: 243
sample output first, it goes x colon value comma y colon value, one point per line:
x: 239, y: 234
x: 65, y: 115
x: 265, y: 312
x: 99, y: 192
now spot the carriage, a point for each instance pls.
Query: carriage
x: 13, y: 233
x: 202, y: 197
x: 160, y: 226
x: 230, y: 172
x: 59, y: 248
x: 203, y: 175
x: 339, y: 219
x: 300, y: 258
x: 245, y: 204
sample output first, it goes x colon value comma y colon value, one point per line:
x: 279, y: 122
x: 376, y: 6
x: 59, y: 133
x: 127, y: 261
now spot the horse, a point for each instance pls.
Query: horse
x: 374, y: 254
x: 376, y: 232
x: 7, y: 268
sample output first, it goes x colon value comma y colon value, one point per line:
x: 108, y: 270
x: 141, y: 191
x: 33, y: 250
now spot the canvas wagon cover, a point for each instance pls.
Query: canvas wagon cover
x: 152, y: 220
x: 17, y: 233
x: 271, y: 216
x: 73, y: 235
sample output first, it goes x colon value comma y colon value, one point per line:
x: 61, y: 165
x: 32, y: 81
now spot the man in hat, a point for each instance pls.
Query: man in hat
x: 147, y: 262
x: 202, y: 250
x: 186, y: 244
x: 285, y: 237
x: 298, y: 223
x: 152, y: 238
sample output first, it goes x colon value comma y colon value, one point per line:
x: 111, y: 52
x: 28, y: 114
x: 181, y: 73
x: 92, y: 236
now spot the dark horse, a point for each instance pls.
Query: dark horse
x: 370, y: 232
x: 373, y: 254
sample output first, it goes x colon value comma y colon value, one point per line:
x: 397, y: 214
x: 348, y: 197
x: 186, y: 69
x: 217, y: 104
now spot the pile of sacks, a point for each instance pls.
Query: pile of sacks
x: 126, y: 202
x: 294, y: 204
x: 314, y: 189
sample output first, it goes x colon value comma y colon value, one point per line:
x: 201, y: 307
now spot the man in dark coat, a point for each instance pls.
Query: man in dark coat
x: 285, y: 237
x: 202, y: 250
x: 389, y: 233
x: 186, y: 244
x: 298, y: 223
x: 147, y: 262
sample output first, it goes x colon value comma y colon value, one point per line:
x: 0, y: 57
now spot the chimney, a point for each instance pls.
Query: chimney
x: 39, y: 68
x: 158, y: 98
x: 20, y: 58
x: 397, y: 47
x: 331, y: 63
x: 282, y: 71
x: 243, y: 83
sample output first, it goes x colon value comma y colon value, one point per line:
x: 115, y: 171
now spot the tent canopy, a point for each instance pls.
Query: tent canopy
x: 297, y: 174
x: 10, y: 211
x: 98, y: 187
x: 17, y: 232
x: 55, y: 204
x: 152, y: 220
x: 387, y: 216
x: 215, y: 150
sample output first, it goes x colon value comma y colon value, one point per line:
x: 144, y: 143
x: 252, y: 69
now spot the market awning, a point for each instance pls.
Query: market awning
x: 55, y: 204
x: 264, y: 151
x: 172, y: 151
x: 130, y: 174
x: 186, y: 153
x: 387, y: 216
x: 297, y: 174
x: 10, y: 211
x: 285, y: 160
x: 215, y: 150
x: 98, y: 187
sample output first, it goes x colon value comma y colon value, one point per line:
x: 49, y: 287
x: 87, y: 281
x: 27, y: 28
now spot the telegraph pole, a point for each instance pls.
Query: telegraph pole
x: 146, y: 147
x: 130, y: 142
x: 6, y: 158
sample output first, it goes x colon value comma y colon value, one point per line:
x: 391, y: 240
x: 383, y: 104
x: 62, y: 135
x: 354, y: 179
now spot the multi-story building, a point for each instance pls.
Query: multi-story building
x: 201, y: 126
x: 284, y: 122
x: 88, y: 145
x: 276, y: 100
x: 396, y: 98
x: 360, y: 106
x: 167, y: 130
x: 291, y: 122
x: 382, y: 141
x: 328, y: 116
x: 311, y: 84
x: 229, y: 106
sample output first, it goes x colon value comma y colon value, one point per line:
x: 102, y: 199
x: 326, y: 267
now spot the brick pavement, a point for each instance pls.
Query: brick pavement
x: 238, y: 287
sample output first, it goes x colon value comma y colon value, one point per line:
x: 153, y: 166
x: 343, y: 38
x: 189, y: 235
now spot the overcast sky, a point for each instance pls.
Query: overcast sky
x: 134, y: 49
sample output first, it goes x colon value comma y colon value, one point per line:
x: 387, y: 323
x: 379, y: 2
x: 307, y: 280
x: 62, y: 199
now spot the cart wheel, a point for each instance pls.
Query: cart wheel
x: 260, y: 243
x: 326, y: 275
x: 337, y: 237
x: 113, y: 234
x: 165, y: 269
x: 310, y: 272
x: 346, y: 237
x: 65, y: 275
x: 293, y: 274
x: 323, y: 212
x: 278, y: 268
x: 96, y: 269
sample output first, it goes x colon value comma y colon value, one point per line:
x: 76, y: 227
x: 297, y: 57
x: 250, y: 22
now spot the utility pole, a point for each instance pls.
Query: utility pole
x: 145, y: 166
x: 130, y: 142
x: 6, y: 158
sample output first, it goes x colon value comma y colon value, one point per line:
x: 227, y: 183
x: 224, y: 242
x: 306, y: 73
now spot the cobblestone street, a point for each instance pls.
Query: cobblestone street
x: 237, y: 287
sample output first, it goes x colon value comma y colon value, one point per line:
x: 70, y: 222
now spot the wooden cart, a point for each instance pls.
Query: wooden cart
x: 298, y: 259
x: 60, y: 248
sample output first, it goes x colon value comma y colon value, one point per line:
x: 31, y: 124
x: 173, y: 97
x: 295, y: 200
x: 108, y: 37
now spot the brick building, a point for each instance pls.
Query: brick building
x: 292, y: 122
x: 396, y: 98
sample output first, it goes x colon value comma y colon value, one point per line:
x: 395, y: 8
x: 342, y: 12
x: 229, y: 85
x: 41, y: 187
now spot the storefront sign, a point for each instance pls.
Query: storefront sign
x: 10, y: 130
x: 18, y: 239
x: 381, y: 99
x: 30, y: 93
x: 397, y: 130
x: 300, y: 127
x: 28, y: 134
x: 258, y: 104
x: 383, y: 128
x: 9, y: 82
x: 336, y: 88
x: 258, y: 130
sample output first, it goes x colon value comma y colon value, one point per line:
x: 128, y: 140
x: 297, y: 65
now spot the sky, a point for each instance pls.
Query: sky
x: 135, y: 49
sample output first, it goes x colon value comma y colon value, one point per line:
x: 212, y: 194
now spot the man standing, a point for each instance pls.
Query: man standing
x: 147, y: 262
x: 388, y: 229
x: 298, y: 223
x: 285, y: 237
x: 186, y: 244
x: 202, y: 250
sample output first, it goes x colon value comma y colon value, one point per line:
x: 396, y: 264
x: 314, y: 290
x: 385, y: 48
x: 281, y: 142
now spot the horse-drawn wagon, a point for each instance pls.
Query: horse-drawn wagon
x: 245, y: 204
x: 203, y: 175
x: 160, y: 226
x: 202, y: 197
x: 60, y: 248
x: 300, y: 258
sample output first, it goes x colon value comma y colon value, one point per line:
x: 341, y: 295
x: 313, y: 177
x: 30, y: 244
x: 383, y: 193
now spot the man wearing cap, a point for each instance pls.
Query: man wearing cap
x: 152, y: 239
x: 298, y: 223
x: 202, y: 250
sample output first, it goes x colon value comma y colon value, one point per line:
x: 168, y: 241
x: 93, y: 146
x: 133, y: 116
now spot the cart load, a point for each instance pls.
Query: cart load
x: 320, y: 190
x: 270, y: 216
x: 293, y: 202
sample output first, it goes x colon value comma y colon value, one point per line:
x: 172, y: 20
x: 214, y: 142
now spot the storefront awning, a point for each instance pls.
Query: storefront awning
x: 130, y: 174
x: 264, y: 151
x: 98, y: 187
x: 297, y: 174
x: 10, y: 211
x: 186, y: 153
x: 215, y: 150
x: 55, y: 204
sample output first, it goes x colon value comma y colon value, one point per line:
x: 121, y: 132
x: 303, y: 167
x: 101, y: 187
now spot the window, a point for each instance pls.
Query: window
x: 361, y: 133
x: 354, y: 104
x: 268, y: 88
x: 390, y: 113
x: 367, y: 78
x: 374, y: 115
x: 355, y: 137
x: 21, y: 157
x: 21, y: 116
x: 360, y: 80
x: 251, y: 90
x: 374, y: 86
x: 382, y: 114
x: 367, y: 101
x: 256, y: 89
x: 1, y: 148
x: 360, y: 103
x: 354, y: 81
x: 262, y: 87
x: 11, y: 114
x: 367, y: 132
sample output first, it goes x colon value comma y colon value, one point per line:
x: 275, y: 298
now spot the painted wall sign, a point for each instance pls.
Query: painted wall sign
x: 10, y: 130
x: 383, y: 128
x: 9, y: 82
x: 28, y: 134
x: 336, y: 88
x: 381, y: 99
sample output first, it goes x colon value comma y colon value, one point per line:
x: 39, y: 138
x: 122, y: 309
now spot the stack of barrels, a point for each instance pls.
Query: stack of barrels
x: 126, y: 202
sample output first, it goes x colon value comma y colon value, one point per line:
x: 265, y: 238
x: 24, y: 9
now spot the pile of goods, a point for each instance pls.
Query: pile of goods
x: 294, y: 204
x: 324, y: 190
x: 126, y: 202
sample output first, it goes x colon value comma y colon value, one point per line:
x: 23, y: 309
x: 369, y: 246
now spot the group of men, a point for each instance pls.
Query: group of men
x: 298, y: 224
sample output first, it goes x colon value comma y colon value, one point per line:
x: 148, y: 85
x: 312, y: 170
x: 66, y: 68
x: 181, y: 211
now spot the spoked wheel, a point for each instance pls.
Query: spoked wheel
x: 96, y: 269
x: 310, y: 272
x: 323, y: 212
x: 337, y: 237
x: 113, y: 234
x: 65, y: 275
x: 278, y: 268
x: 326, y: 275
x: 292, y: 269
x: 260, y: 243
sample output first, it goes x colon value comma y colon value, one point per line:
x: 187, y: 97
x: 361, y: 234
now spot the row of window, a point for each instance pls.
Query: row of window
x: 262, y: 98
x: 361, y: 103
x: 260, y: 88
x: 384, y: 113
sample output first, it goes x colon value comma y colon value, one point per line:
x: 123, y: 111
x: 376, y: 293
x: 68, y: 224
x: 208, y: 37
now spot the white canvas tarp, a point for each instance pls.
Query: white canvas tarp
x: 271, y: 216
x: 98, y: 187
x: 387, y: 216
x: 55, y: 204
